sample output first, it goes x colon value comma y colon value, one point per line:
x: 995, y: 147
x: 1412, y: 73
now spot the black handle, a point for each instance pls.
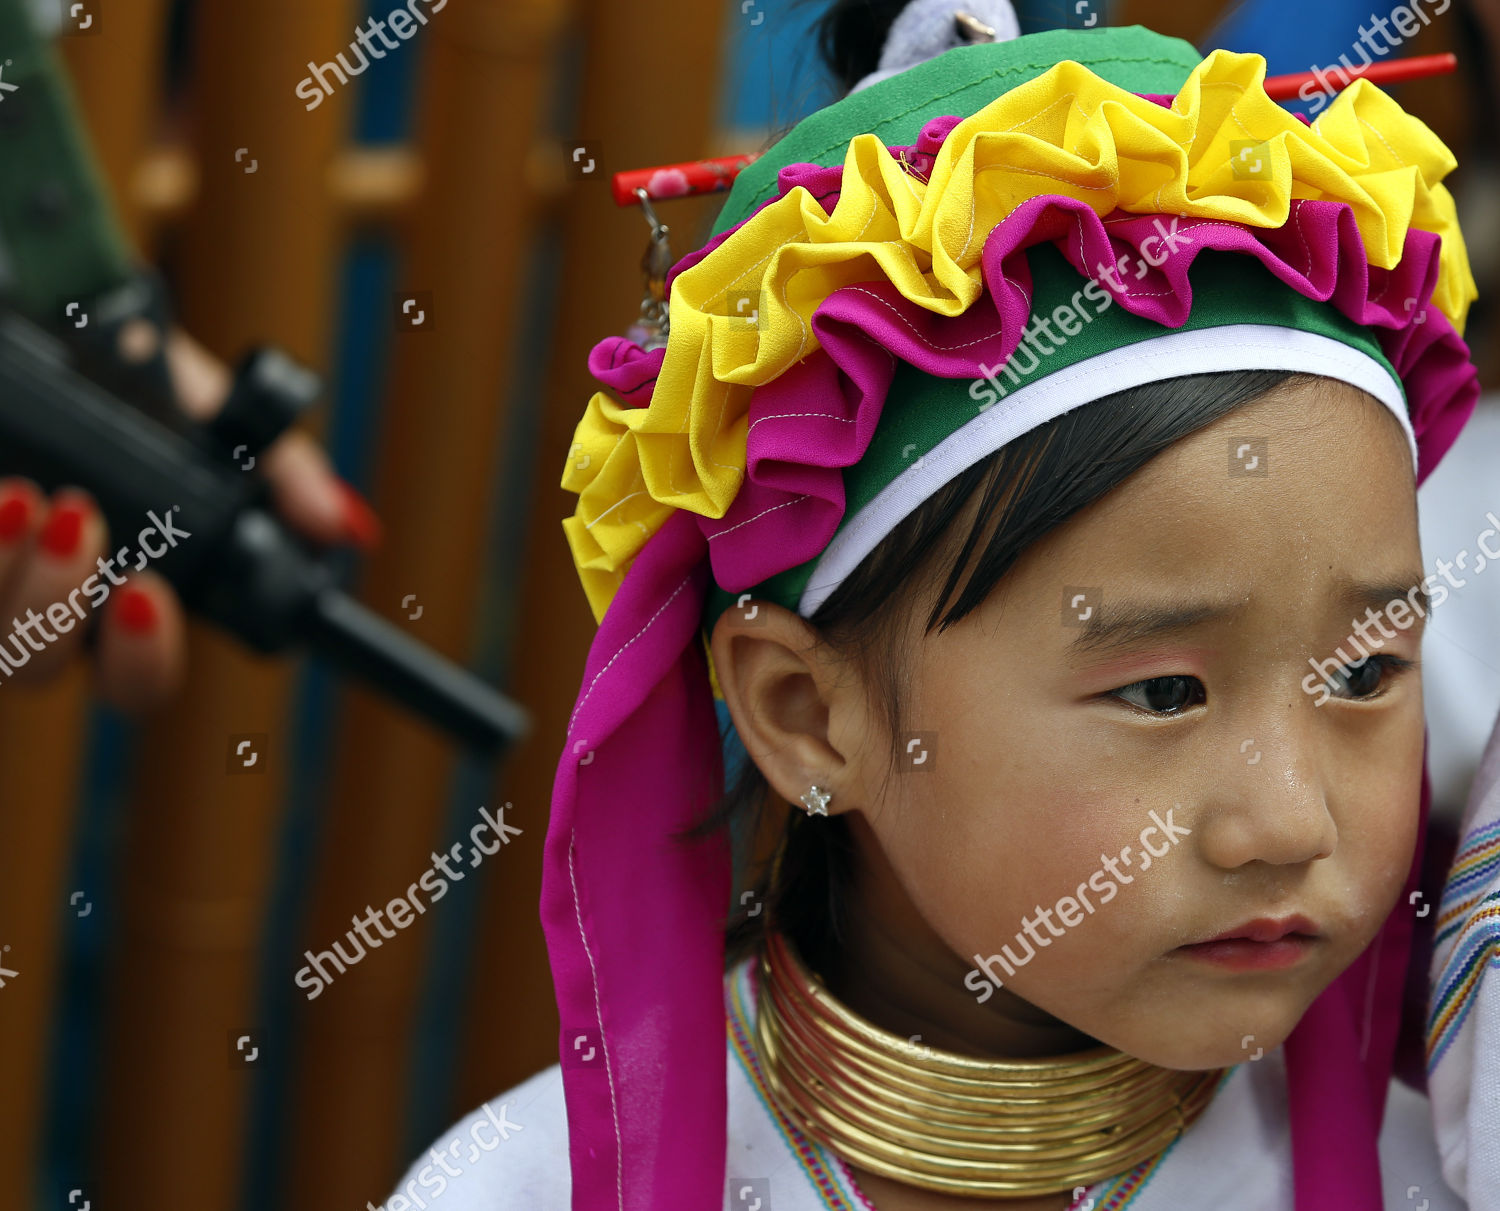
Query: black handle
x: 177, y: 500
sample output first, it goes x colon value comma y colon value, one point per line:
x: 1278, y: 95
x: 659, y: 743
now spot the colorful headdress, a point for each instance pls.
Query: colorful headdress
x: 858, y: 331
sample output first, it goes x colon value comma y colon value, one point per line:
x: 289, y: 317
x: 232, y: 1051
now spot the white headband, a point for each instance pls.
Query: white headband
x: 1172, y: 355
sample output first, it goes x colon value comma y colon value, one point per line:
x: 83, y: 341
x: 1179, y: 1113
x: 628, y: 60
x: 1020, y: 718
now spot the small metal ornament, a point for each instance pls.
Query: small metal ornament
x: 650, y: 330
x: 816, y: 800
x: 970, y: 28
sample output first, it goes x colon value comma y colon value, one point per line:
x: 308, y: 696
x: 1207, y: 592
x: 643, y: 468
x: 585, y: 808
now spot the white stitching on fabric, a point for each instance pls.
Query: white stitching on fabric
x: 578, y: 908
x: 1042, y: 113
x: 1240, y: 122
x: 973, y: 212
x: 807, y: 332
x: 614, y: 1108
x: 648, y: 624
x: 1130, y: 293
x: 910, y: 188
x: 1390, y: 276
x: 751, y: 270
x: 846, y: 420
x: 1201, y: 223
x: 801, y: 323
x: 1297, y: 216
x: 935, y: 348
x: 1037, y: 172
x: 783, y: 505
x: 1384, y: 144
x: 1141, y: 294
x: 987, y: 167
x: 1032, y: 172
x: 874, y: 210
x: 987, y: 238
x: 1082, y: 251
x: 718, y: 429
x: 1205, y: 85
x: 589, y: 525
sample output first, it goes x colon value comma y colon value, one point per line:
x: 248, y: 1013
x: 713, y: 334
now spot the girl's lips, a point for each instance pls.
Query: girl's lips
x: 1265, y: 929
x: 1244, y: 954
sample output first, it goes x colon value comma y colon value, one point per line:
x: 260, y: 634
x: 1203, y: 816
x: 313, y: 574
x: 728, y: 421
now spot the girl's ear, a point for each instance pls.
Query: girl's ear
x: 800, y: 709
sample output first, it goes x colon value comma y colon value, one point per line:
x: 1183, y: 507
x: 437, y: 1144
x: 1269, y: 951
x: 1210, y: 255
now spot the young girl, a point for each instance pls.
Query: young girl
x: 1030, y: 468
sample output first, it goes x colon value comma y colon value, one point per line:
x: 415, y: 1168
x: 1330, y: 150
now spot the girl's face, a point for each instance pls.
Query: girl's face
x: 1127, y: 751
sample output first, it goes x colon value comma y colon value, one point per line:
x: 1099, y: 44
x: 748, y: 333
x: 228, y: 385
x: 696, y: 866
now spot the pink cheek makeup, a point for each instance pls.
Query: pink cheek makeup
x: 1124, y: 670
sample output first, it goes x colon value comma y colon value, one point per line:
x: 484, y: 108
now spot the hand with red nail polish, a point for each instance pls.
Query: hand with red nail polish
x: 48, y: 548
x: 62, y: 576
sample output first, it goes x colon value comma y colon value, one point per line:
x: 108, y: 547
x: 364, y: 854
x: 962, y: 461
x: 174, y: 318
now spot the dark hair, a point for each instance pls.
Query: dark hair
x: 1030, y: 486
x: 851, y: 34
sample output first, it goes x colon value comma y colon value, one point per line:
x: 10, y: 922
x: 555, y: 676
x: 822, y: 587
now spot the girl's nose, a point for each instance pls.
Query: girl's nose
x: 1269, y: 804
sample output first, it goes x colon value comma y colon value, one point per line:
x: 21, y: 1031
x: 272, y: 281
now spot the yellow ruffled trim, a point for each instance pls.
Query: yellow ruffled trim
x: 1067, y: 132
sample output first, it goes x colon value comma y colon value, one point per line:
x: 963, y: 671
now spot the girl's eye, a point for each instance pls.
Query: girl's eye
x: 1366, y: 678
x: 1163, y: 695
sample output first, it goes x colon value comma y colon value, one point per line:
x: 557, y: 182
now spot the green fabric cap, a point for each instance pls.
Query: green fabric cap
x: 960, y: 81
x: 921, y: 410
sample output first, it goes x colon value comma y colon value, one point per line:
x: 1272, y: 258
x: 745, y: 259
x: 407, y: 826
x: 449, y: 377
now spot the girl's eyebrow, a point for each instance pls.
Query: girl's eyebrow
x: 1121, y: 624
x: 1377, y: 595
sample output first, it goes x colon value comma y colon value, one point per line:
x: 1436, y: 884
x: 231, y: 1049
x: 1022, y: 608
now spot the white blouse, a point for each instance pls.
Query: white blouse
x: 512, y: 1153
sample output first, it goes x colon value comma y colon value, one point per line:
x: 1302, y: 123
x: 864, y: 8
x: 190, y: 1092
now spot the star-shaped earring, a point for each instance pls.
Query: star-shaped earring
x: 816, y: 801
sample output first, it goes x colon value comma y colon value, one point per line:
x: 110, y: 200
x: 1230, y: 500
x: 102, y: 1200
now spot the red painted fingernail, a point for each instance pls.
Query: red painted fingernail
x: 63, y: 528
x: 135, y: 610
x: 15, y: 514
x: 361, y: 526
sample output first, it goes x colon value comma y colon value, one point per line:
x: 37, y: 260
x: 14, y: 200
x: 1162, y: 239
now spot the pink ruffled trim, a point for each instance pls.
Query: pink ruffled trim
x: 819, y: 417
x: 792, y: 500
